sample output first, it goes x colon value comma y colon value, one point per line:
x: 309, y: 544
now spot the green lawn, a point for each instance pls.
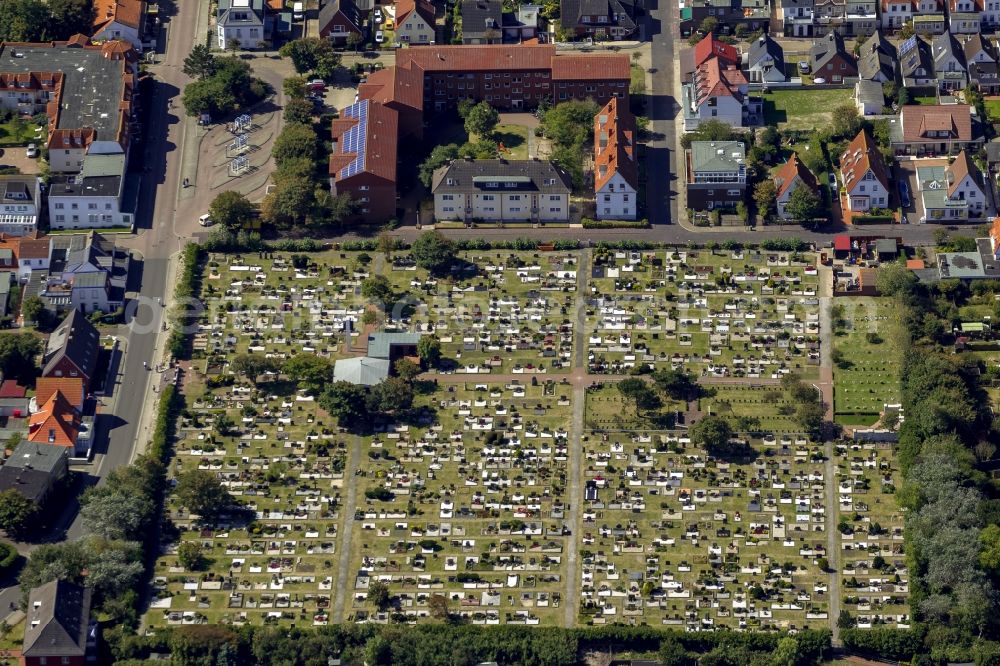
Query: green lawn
x: 515, y: 139
x: 867, y: 356
x: 929, y: 101
x: 803, y: 109
x: 17, y: 133
x: 993, y: 109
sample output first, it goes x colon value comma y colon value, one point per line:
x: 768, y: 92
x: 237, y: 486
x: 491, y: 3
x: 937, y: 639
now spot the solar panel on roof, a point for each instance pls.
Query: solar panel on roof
x: 355, y: 139
x: 909, y: 44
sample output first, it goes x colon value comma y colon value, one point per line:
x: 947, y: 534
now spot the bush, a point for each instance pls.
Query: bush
x: 615, y: 224
x: 871, y: 219
x: 8, y: 555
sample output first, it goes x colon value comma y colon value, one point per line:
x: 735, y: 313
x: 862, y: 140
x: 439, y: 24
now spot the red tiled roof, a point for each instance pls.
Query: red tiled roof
x: 959, y: 169
x: 71, y: 388
x: 474, y: 58
x: 917, y: 120
x: 614, y: 145
x: 378, y: 148
x: 57, y: 416
x: 861, y: 155
x: 403, y: 85
x: 591, y: 67
x: 406, y: 7
x: 33, y: 246
x: 785, y: 175
x: 712, y: 80
x: 842, y: 243
x: 9, y: 388
x: 126, y: 12
x: 710, y: 46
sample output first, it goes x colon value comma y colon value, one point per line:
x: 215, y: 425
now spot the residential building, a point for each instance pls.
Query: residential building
x: 414, y: 22
x: 614, y: 19
x: 616, y: 170
x: 929, y: 25
x: 86, y: 272
x: 717, y: 93
x: 71, y: 388
x: 895, y: 13
x: 522, y: 24
x: 120, y: 19
x: 363, y: 158
x: 831, y: 61
x: 916, y: 63
x: 34, y: 469
x: 501, y: 191
x: 949, y: 63
x: 937, y: 129
x: 706, y: 49
x: 340, y: 18
x: 829, y: 16
x: 243, y: 24
x: 482, y: 21
x: 965, y: 16
x: 716, y: 175
x: 20, y: 204
x: 864, y: 175
x: 788, y: 177
x: 797, y: 17
x: 990, y: 14
x: 57, y: 625
x: 86, y: 91
x: 33, y: 254
x: 765, y: 61
x: 862, y: 17
x: 877, y: 60
x: 101, y: 195
x: 402, y: 90
x: 754, y: 14
x: 72, y: 349
x: 951, y: 192
x: 981, y: 62
x: 55, y: 422
x: 869, y: 98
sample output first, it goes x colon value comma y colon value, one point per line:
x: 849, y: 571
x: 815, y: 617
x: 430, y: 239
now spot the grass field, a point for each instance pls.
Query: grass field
x: 802, y: 109
x: 17, y: 133
x: 866, y: 356
x: 993, y: 108
x: 515, y: 139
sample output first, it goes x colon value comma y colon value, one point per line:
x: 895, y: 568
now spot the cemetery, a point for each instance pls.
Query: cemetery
x: 866, y: 358
x: 461, y: 504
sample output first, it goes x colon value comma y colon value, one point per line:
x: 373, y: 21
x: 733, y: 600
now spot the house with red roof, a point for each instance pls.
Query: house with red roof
x: 711, y: 47
x: 935, y: 130
x: 414, y: 22
x: 788, y: 177
x: 616, y: 172
x: 402, y: 90
x: 55, y: 422
x: 363, y: 158
x: 119, y: 19
x: 865, y: 175
x: 72, y: 388
x: 718, y: 91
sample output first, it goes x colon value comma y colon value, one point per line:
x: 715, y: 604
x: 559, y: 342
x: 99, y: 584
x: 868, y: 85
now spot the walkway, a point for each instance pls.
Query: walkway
x: 349, y: 491
x: 829, y: 465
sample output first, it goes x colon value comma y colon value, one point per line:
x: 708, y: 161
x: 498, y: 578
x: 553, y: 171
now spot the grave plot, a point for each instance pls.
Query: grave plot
x: 718, y: 314
x: 607, y: 409
x: 762, y: 406
x: 673, y: 537
x: 468, y: 513
x: 277, y: 455
x: 866, y: 358
x: 874, y: 577
x: 500, y: 312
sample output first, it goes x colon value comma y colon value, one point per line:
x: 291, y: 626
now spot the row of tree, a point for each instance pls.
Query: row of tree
x: 38, y: 21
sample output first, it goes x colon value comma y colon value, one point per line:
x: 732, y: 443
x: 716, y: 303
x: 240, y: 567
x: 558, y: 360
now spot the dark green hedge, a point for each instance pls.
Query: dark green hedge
x: 8, y: 555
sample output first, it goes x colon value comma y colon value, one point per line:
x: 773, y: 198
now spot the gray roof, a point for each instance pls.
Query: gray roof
x: 241, y: 13
x: 870, y: 92
x: 766, y: 46
x: 73, y: 253
x: 823, y: 50
x: 32, y: 484
x: 42, y: 457
x: 945, y: 46
x: 472, y: 176
x: 58, y: 615
x: 717, y: 155
x: 100, y: 186
x: 993, y: 151
x: 347, y: 8
x: 964, y: 265
x: 916, y: 56
x: 92, y: 84
x: 75, y: 339
x: 478, y: 16
x: 572, y: 10
x: 878, y: 56
x: 364, y: 370
x: 380, y: 344
x: 18, y: 188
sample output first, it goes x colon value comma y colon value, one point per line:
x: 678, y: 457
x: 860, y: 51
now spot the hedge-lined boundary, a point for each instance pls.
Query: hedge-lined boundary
x: 614, y: 224
x: 8, y: 555
x: 188, y: 287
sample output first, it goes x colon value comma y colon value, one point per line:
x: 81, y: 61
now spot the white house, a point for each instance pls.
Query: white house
x: 715, y: 93
x: 414, y: 22
x: 895, y: 13
x: 864, y: 174
x: 242, y: 22
x: 616, y: 173
x: 790, y: 176
x: 96, y: 197
x: 765, y: 61
x: 20, y: 203
x: 501, y: 191
x: 953, y: 191
x: 119, y: 19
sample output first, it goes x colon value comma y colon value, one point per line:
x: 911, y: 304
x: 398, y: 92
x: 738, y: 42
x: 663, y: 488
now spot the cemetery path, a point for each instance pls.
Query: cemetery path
x: 832, y: 549
x: 346, y: 523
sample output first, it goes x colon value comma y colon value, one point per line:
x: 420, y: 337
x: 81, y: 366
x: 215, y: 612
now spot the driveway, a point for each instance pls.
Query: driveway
x: 13, y: 156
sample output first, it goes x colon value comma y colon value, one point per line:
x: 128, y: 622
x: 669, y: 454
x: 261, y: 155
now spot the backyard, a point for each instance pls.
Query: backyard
x: 803, y: 109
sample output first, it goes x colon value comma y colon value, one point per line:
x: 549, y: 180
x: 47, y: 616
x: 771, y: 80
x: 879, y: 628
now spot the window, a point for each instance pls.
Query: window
x: 607, y: 198
x: 555, y: 210
x: 92, y: 206
x: 59, y: 206
x: 363, y: 188
x: 448, y: 197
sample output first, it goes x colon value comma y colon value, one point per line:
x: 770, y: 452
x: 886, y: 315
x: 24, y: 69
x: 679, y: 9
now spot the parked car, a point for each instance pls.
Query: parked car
x: 32, y: 150
x: 206, y: 220
x: 833, y: 183
x: 389, y: 24
x: 378, y: 15
x: 904, y: 193
x: 803, y: 67
x: 316, y: 85
x: 379, y: 37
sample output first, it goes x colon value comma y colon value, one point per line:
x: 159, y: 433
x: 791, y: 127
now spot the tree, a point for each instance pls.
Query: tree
x: 116, y: 512
x: 804, y: 205
x: 440, y: 156
x: 252, y: 366
x: 378, y: 288
x: 710, y: 130
x: 433, y: 252
x: 231, y: 209
x: 354, y: 40
x: 464, y: 106
x: 709, y: 25
x: 189, y: 555
x: 290, y: 202
x: 312, y: 54
x: 672, y: 653
x: 713, y: 434
x: 16, y: 512
x: 429, y: 351
x: 378, y: 594
x: 67, y: 17
x: 296, y: 140
x: 346, y: 402
x: 24, y: 21
x: 482, y: 120
x: 406, y: 369
x: 33, y: 309
x: 17, y: 355
x: 298, y: 110
x: 309, y: 371
x: 199, y: 63
x: 202, y: 493
x: 675, y: 384
x: 845, y: 122
x: 294, y: 87
x: 437, y: 606
x: 894, y: 279
x: 765, y: 196
x: 395, y: 394
x: 567, y: 124
x: 638, y: 392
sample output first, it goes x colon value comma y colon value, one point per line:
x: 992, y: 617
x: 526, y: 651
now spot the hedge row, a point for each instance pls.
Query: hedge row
x: 872, y: 219
x: 614, y: 224
x: 8, y: 555
x: 188, y: 287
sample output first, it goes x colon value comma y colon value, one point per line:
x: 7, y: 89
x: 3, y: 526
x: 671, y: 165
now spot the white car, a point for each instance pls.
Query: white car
x: 378, y: 15
x: 803, y: 67
x: 379, y: 37
x: 206, y: 220
x: 32, y: 150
